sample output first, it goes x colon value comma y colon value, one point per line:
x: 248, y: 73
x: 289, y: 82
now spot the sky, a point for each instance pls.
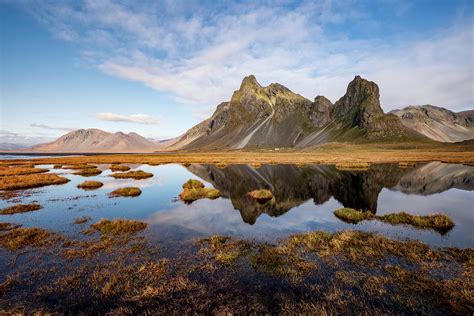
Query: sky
x: 159, y: 67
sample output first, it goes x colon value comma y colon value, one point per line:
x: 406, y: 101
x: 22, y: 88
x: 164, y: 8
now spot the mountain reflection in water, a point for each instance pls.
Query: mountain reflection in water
x: 293, y: 185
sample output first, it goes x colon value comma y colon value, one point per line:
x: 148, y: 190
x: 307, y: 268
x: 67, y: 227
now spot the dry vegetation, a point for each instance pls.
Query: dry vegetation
x: 356, y: 166
x: 118, y: 226
x: 30, y: 181
x: 88, y: 172
x: 261, y: 196
x: 8, y: 226
x: 130, y: 191
x: 326, y: 154
x: 20, y: 208
x: 194, y: 190
x: 19, y: 238
x: 21, y: 171
x: 90, y: 185
x: 138, y: 174
x: 439, y: 222
x: 115, y: 167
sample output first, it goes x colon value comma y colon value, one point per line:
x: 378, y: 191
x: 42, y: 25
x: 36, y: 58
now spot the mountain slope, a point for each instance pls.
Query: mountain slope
x: 274, y: 116
x: 438, y: 123
x: 95, y: 140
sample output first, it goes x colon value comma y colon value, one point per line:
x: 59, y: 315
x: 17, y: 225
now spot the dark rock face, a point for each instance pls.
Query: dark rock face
x: 292, y: 185
x: 274, y: 116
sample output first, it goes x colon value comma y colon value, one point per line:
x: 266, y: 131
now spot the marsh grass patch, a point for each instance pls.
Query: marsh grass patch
x: 138, y: 174
x: 126, y: 192
x: 90, y: 185
x: 20, y: 208
x: 31, y: 181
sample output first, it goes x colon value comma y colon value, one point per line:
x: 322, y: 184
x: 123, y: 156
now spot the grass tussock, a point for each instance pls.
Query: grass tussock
x: 130, y: 191
x: 224, y: 249
x: 8, y: 226
x: 194, y: 190
x: 21, y: 171
x: 118, y: 226
x: 350, y: 215
x: 88, y: 172
x: 57, y: 166
x: 79, y: 166
x: 20, y: 238
x: 261, y: 196
x: 82, y: 220
x: 116, y: 167
x: 353, y: 166
x: 20, y: 208
x: 407, y: 164
x: 30, y: 181
x: 138, y: 174
x: 90, y: 185
x: 193, y: 184
x: 438, y: 222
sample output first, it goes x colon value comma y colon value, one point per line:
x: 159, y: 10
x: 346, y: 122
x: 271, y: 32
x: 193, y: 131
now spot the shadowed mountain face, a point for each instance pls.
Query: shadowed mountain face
x: 292, y: 185
x: 274, y: 116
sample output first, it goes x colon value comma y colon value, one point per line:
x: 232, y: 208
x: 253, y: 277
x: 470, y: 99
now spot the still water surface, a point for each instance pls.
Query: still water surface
x: 305, y: 198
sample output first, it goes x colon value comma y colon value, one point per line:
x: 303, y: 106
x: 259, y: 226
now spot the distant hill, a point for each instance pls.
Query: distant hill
x: 96, y: 140
x: 438, y: 123
x: 11, y: 146
x: 274, y: 116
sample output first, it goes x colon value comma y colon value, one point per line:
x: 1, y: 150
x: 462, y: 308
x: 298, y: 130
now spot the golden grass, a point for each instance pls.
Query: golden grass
x: 118, y: 226
x: 192, y: 184
x: 353, y: 216
x: 261, y: 195
x: 438, y: 222
x: 342, y: 153
x: 20, y: 208
x: 30, y: 181
x: 405, y: 164
x: 89, y: 172
x: 90, y: 185
x: 20, y: 238
x: 116, y: 167
x: 356, y: 166
x: 138, y: 174
x: 194, y: 190
x: 130, y: 191
x: 8, y: 226
x: 20, y: 171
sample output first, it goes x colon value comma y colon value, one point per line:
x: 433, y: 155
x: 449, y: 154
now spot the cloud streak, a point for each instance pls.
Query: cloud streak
x: 199, y: 53
x: 53, y: 128
x: 134, y: 118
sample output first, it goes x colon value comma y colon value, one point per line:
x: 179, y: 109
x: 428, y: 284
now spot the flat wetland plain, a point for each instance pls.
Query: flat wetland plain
x: 401, y: 242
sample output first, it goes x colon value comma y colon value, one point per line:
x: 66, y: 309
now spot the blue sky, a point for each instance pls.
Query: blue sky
x: 159, y: 67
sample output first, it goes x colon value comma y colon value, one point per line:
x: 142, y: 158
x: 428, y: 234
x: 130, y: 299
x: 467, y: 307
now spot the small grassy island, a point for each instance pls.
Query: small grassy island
x: 117, y: 167
x: 20, y: 208
x: 138, y: 174
x: 90, y: 185
x: 130, y: 191
x: 194, y: 190
x: 261, y: 196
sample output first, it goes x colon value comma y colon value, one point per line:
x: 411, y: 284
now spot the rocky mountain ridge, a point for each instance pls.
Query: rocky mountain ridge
x: 96, y: 140
x: 274, y: 116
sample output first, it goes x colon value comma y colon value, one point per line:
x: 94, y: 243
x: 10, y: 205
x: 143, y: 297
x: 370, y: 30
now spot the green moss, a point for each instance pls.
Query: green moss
x: 20, y: 208
x: 191, y: 195
x: 438, y: 222
x: 193, y: 184
x: 351, y: 215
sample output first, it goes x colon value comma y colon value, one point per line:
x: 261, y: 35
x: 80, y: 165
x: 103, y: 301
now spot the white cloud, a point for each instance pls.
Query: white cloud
x: 200, y: 55
x: 134, y: 118
x: 44, y: 126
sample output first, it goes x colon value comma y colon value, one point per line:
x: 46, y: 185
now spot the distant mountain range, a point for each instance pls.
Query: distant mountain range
x: 96, y: 140
x: 275, y: 117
